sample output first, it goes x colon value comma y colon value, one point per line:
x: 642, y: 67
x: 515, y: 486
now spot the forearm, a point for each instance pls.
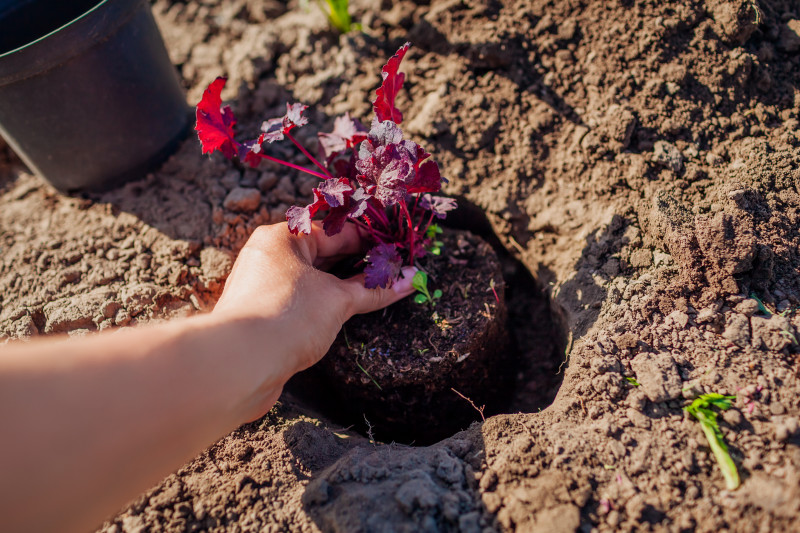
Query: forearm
x: 87, y: 425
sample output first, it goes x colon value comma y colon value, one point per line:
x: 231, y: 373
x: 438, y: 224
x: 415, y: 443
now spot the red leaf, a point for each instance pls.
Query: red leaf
x: 392, y: 83
x: 215, y: 123
x: 427, y: 179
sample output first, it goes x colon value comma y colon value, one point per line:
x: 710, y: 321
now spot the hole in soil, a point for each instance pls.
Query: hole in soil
x: 537, y: 342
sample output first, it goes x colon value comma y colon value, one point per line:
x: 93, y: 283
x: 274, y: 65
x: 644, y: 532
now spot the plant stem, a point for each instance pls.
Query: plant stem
x: 411, y: 233
x: 308, y: 155
x: 377, y: 234
x: 290, y: 165
x: 378, y: 215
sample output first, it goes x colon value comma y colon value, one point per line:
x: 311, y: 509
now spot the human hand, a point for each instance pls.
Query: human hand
x: 299, y: 309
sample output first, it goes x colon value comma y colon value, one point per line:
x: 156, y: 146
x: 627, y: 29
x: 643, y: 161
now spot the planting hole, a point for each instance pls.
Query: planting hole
x: 506, y: 366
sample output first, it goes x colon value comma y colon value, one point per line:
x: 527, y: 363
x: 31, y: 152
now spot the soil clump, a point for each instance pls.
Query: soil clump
x: 395, y: 373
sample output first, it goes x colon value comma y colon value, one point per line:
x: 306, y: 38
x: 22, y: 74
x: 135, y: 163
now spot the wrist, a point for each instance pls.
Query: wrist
x: 248, y: 370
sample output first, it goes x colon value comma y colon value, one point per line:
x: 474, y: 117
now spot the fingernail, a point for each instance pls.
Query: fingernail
x: 403, y: 285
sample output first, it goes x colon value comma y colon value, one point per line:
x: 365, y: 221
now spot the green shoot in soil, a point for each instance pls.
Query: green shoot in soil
x: 761, y: 306
x: 339, y: 15
x: 420, y: 282
x: 367, y: 374
x: 435, y: 246
x: 632, y: 381
x: 701, y: 409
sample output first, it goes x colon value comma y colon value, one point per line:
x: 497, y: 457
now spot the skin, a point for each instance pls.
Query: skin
x: 88, y: 424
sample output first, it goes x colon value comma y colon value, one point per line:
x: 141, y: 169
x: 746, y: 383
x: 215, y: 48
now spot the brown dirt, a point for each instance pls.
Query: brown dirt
x: 393, y: 372
x: 641, y: 158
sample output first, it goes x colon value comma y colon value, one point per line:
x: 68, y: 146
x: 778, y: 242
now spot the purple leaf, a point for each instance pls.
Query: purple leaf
x: 439, y: 205
x: 385, y: 172
x: 334, y: 191
x: 384, y: 266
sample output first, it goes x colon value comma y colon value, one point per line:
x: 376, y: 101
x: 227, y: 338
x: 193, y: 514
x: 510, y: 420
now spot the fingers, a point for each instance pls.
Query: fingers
x: 347, y: 242
x: 365, y: 300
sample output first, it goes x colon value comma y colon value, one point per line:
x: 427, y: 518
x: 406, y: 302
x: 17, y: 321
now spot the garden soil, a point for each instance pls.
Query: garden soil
x: 639, y: 158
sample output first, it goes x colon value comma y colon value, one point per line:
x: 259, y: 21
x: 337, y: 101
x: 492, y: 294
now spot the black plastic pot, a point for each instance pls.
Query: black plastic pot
x: 88, y: 96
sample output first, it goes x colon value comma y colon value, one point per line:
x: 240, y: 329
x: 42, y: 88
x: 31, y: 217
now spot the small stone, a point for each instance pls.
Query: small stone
x: 785, y: 428
x: 122, y: 318
x: 777, y: 408
x: 242, y: 200
x: 774, y: 333
x: 641, y: 258
x: 747, y: 307
x: 668, y: 155
x: 732, y: 416
x: 691, y: 390
x: 737, y: 330
x: 267, y: 181
x: 470, y: 522
x: 789, y: 39
x: 639, y: 419
x: 230, y: 180
x: 658, y: 376
x: 215, y: 263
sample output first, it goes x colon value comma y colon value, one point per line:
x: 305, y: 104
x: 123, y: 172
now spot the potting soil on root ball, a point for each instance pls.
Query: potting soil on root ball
x: 407, y: 373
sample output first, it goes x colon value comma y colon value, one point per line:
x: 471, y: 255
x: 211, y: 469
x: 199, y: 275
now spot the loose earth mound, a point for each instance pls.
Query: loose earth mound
x: 640, y: 158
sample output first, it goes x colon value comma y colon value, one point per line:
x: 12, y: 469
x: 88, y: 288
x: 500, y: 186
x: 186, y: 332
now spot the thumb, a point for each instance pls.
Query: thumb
x: 366, y: 300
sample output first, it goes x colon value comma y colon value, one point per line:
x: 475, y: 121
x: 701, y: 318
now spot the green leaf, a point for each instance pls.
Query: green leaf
x: 338, y: 15
x: 761, y: 306
x: 432, y: 231
x: 420, y: 281
x: 700, y: 409
x: 420, y: 298
x: 633, y: 381
x: 437, y: 294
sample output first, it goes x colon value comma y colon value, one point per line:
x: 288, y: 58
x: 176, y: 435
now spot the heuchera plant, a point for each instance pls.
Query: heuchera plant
x: 377, y: 179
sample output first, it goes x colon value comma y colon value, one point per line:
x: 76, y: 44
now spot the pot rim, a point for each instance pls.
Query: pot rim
x: 67, y: 41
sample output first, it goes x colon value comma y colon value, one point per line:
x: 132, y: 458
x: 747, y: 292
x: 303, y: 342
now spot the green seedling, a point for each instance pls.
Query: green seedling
x: 761, y: 306
x: 785, y: 333
x: 364, y: 370
x: 436, y: 245
x: 632, y: 381
x: 339, y: 15
x: 420, y: 283
x: 492, y: 286
x: 701, y: 409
